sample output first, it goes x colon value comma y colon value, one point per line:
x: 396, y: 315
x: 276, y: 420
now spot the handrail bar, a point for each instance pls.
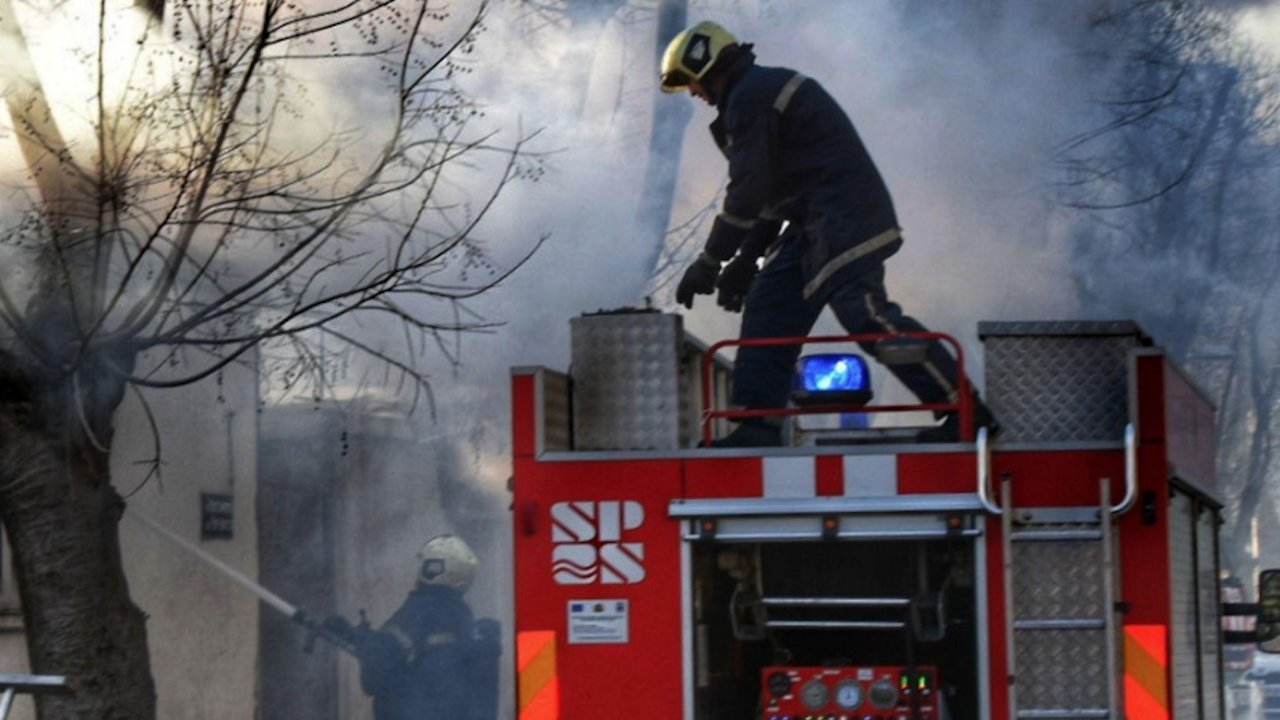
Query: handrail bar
x: 963, y: 404
x: 1130, y: 471
x: 836, y: 602
x: 984, y: 472
x: 12, y: 684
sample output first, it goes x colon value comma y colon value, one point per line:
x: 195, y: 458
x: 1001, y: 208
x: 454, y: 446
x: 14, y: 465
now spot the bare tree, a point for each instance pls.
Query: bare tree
x: 1179, y: 227
x: 202, y: 212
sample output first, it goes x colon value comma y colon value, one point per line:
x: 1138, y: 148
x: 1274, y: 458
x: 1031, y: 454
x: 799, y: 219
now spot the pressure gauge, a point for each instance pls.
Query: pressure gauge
x: 849, y: 695
x: 779, y: 684
x: 884, y: 694
x: 815, y: 694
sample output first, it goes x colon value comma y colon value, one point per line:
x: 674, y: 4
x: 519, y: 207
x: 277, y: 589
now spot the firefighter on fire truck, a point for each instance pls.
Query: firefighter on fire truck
x: 795, y: 160
x: 431, y: 659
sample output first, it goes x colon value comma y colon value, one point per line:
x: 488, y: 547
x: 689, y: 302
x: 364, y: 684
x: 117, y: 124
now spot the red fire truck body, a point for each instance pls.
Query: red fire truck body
x: 1053, y: 573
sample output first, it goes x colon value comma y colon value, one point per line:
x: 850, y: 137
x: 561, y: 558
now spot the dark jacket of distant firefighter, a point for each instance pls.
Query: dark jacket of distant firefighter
x: 431, y: 660
x: 794, y: 155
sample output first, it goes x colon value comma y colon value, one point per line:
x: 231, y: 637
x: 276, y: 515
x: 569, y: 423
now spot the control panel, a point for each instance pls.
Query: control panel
x: 849, y: 693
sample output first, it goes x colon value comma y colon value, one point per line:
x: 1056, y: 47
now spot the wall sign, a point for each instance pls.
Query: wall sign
x: 217, y: 516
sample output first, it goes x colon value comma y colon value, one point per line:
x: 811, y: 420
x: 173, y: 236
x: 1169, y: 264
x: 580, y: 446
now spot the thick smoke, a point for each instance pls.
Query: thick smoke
x: 1260, y: 22
x: 961, y: 120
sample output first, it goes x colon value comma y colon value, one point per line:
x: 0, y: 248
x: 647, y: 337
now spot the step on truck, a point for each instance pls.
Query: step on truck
x: 1068, y: 568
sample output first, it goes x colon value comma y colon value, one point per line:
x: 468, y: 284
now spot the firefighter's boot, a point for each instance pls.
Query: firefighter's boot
x: 949, y: 430
x: 752, y: 432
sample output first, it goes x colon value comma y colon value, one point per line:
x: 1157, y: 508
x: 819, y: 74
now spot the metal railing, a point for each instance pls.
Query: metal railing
x: 963, y: 404
x: 13, y: 685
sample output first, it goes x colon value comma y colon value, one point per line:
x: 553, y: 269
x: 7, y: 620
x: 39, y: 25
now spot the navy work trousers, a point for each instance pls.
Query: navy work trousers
x: 775, y: 307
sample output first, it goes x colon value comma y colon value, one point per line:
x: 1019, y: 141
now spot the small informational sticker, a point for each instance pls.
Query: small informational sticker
x: 866, y: 674
x: 599, y: 622
x: 217, y: 516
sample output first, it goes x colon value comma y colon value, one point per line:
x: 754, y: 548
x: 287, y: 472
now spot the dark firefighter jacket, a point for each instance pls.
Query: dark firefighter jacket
x: 794, y: 155
x: 427, y: 661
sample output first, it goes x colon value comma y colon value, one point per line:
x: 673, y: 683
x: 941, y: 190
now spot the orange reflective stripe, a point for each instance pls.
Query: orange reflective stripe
x: 529, y: 644
x: 539, y: 688
x: 1153, y: 638
x: 545, y: 705
x: 1139, y: 704
x: 1146, y: 688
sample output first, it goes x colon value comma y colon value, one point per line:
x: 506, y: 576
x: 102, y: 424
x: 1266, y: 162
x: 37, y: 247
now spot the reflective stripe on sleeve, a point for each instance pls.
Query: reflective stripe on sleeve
x: 788, y: 91
x: 401, y: 637
x: 740, y: 223
x: 442, y: 638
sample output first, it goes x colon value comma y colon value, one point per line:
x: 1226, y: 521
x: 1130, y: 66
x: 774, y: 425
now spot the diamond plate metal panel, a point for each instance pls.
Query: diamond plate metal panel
x: 1059, y: 382
x: 690, y: 395
x: 1210, y: 619
x: 1182, y: 595
x: 1058, y: 328
x: 555, y: 412
x: 1058, y: 580
x: 626, y: 381
x: 1061, y: 669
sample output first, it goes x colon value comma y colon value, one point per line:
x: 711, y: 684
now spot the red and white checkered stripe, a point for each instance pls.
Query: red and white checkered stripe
x: 830, y: 476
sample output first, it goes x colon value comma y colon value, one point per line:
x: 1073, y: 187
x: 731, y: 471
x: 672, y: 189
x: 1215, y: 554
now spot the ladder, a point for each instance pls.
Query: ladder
x: 1060, y: 579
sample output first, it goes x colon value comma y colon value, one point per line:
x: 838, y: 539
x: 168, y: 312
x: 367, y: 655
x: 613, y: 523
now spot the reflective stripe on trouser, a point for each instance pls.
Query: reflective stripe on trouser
x: 775, y: 307
x: 538, y: 687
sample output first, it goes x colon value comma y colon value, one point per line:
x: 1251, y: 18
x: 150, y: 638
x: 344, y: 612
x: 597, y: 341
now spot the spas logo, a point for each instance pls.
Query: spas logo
x: 588, y: 543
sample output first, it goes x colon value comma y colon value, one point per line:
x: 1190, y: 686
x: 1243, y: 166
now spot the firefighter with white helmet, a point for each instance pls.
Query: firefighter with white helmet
x: 447, y: 561
x: 795, y: 162
x: 431, y: 659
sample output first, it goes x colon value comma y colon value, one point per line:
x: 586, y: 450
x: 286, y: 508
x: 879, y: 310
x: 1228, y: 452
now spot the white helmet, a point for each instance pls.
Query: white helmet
x: 447, y: 561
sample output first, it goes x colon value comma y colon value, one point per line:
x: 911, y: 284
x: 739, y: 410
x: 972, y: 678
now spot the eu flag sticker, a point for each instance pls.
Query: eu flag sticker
x: 599, y: 622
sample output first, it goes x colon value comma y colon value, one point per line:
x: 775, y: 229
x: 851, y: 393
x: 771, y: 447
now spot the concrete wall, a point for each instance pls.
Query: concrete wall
x: 202, y: 629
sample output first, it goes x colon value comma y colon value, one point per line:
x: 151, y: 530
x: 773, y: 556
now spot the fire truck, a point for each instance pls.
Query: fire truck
x: 1067, y: 569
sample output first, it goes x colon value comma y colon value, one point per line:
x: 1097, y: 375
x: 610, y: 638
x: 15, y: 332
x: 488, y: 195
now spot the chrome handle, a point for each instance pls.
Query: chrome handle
x: 1130, y: 471
x: 984, y: 472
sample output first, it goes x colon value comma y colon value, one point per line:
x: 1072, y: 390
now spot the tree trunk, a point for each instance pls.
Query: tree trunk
x: 57, y: 504
x: 62, y: 518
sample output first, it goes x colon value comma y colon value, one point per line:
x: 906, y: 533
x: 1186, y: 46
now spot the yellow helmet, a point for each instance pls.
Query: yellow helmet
x: 691, y: 54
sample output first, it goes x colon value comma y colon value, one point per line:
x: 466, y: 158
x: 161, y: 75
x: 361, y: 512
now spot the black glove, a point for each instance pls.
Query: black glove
x: 338, y: 626
x: 735, y: 281
x: 699, y: 279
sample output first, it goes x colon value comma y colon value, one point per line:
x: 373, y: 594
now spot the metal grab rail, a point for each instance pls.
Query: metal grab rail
x: 963, y: 405
x: 984, y: 473
x: 836, y: 602
x: 1130, y: 471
